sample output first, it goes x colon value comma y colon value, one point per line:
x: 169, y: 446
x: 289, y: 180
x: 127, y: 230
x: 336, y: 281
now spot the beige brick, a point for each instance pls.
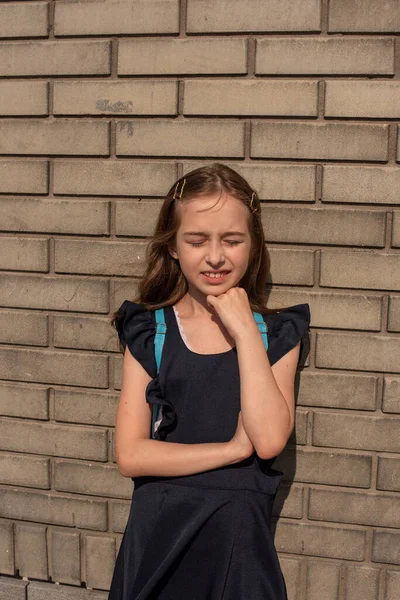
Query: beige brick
x: 322, y: 580
x: 119, y: 515
x: 299, y: 435
x: 23, y: 19
x: 69, y: 57
x: 273, y: 181
x: 65, y: 368
x: 360, y: 508
x: 394, y: 313
x: 324, y: 226
x: 325, y: 56
x: 23, y: 177
x: 391, y: 395
x: 95, y: 480
x: 211, y: 16
x: 116, y: 17
x: 386, y: 547
x: 24, y: 254
x: 86, y: 333
x: 344, y: 430
x: 136, y: 217
x: 249, y: 97
x: 13, y: 588
x: 330, y: 141
x: 56, y: 509
x: 180, y: 138
x: 369, y: 185
x: 51, y: 591
x: 372, y: 99
x: 331, y: 468
x: 22, y: 98
x: 294, y: 267
x: 116, y: 97
x: 24, y: 401
x: 388, y: 474
x: 396, y: 229
x: 392, y: 585
x: 360, y: 270
x: 23, y: 328
x: 55, y: 215
x: 117, y: 363
x: 113, y: 178
x: 85, y: 407
x: 100, y: 258
x: 341, y: 311
x: 291, y: 569
x: 100, y: 560
x: 289, y: 501
x: 54, y: 293
x: 369, y: 16
x: 323, y: 541
x: 54, y: 440
x: 338, y: 390
x: 54, y: 137
x: 361, y: 582
x: 7, y: 566
x: 361, y: 353
x: 182, y: 56
x: 31, y: 551
x: 22, y: 470
x: 65, y: 557
x: 123, y: 290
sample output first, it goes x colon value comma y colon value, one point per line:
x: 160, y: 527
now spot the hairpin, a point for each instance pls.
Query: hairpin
x: 253, y: 208
x: 175, y: 196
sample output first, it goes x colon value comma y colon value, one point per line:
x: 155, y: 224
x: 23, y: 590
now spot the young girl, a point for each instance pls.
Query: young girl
x: 199, y: 523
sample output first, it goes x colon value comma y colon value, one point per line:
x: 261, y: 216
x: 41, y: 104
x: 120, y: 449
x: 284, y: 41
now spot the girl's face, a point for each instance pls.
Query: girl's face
x: 217, y: 239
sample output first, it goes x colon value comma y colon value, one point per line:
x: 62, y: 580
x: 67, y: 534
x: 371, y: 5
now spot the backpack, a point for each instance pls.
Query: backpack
x: 159, y: 338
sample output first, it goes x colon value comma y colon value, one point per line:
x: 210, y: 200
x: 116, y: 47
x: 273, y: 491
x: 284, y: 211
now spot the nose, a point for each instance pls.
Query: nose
x: 215, y: 255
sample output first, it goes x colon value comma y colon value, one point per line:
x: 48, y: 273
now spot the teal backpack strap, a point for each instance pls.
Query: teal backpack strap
x: 159, y: 338
x: 262, y: 326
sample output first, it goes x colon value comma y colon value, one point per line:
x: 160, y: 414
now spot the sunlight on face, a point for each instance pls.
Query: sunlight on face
x: 211, y: 240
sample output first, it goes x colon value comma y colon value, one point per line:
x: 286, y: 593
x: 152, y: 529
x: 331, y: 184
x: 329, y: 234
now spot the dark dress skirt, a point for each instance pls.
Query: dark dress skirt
x: 204, y: 536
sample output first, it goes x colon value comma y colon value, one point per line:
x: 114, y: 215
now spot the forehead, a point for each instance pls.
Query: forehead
x: 213, y: 212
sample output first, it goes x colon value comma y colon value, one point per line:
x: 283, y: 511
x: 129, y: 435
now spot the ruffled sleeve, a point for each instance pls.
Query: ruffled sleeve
x: 286, y: 329
x: 136, y: 329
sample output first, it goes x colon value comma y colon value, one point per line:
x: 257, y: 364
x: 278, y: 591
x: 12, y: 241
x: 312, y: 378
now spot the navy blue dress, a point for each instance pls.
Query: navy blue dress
x: 204, y: 536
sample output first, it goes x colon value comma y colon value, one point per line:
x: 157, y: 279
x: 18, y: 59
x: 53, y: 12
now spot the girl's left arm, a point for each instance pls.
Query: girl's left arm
x: 266, y: 393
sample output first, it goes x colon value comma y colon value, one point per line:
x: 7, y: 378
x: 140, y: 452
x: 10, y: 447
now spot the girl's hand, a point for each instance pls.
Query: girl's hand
x: 233, y: 309
x: 241, y: 440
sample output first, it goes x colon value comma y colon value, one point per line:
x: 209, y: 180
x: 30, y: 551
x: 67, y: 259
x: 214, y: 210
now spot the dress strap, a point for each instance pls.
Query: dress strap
x: 262, y: 326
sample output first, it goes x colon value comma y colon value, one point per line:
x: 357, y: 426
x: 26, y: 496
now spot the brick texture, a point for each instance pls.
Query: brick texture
x: 324, y: 56
x: 103, y: 104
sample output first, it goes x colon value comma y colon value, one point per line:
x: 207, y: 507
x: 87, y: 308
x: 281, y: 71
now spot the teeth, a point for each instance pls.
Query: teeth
x: 215, y: 275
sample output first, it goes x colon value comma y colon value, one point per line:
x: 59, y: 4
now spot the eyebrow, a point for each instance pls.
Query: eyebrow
x: 223, y: 235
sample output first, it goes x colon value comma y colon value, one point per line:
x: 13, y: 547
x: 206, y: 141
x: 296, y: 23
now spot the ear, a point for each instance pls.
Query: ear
x: 173, y: 253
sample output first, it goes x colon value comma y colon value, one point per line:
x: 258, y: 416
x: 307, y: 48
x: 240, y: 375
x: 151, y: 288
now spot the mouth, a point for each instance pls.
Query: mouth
x: 215, y: 277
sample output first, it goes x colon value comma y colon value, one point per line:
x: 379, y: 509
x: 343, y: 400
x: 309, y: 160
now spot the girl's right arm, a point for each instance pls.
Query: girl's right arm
x: 137, y: 455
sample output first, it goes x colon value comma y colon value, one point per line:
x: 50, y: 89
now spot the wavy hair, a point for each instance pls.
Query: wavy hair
x: 163, y: 282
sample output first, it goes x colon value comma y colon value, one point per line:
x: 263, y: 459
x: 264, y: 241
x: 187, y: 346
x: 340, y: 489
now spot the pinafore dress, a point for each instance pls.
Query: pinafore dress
x: 204, y: 536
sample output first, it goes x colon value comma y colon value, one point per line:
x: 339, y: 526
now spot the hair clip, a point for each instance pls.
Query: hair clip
x: 175, y: 197
x: 253, y: 208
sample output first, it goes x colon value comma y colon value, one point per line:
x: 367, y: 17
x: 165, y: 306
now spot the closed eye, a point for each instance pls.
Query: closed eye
x: 230, y: 242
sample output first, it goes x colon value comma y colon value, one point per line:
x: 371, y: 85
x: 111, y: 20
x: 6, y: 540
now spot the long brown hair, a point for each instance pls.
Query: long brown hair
x: 163, y: 282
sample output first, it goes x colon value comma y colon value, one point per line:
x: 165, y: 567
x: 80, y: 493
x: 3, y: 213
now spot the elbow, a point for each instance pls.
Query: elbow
x: 127, y: 467
x: 267, y: 449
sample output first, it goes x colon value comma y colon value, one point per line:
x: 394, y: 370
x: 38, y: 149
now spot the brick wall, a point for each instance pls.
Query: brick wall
x: 102, y: 104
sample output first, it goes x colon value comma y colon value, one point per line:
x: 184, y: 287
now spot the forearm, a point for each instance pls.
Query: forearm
x: 162, y: 458
x: 265, y: 412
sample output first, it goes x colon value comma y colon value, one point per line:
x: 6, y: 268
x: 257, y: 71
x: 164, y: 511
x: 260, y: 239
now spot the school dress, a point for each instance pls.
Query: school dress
x: 204, y: 536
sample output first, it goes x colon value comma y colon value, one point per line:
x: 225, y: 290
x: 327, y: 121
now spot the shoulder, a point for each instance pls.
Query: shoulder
x: 135, y: 325
x: 286, y: 329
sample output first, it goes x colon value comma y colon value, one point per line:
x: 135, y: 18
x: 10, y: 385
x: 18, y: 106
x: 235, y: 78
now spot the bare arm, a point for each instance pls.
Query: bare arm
x: 138, y: 455
x: 266, y: 394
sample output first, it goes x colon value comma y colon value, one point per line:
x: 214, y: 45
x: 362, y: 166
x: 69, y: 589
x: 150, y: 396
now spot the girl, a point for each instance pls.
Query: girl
x: 198, y: 528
